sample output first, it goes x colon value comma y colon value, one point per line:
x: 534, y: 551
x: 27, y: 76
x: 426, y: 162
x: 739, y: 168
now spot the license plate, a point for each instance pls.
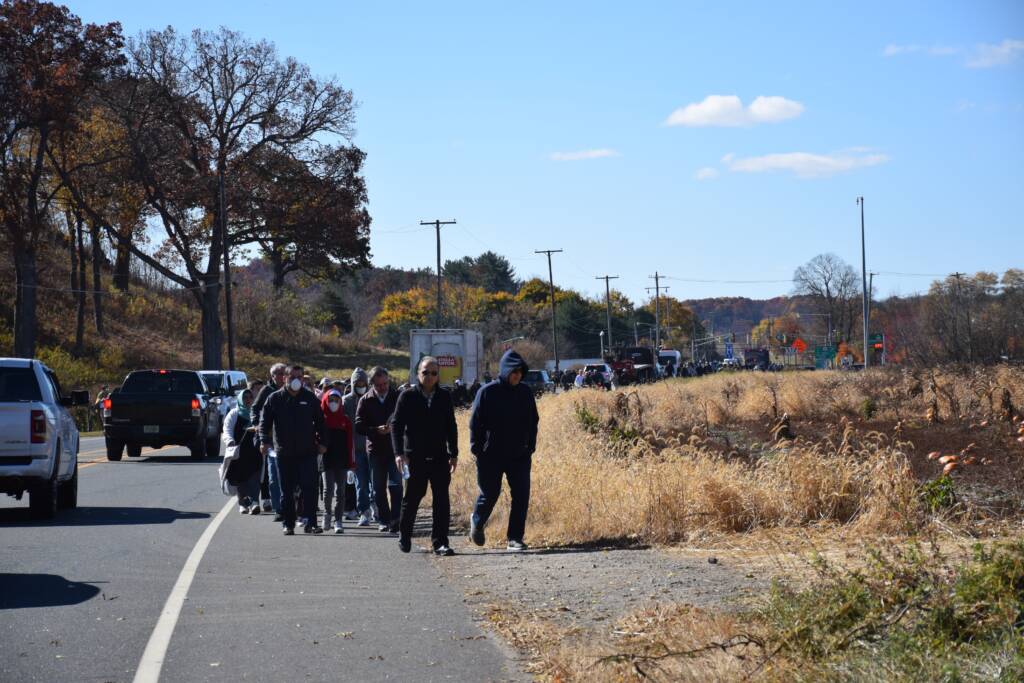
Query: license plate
x: 151, y: 429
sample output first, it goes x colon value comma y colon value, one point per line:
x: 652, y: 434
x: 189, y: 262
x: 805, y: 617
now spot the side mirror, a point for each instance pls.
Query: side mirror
x: 80, y: 397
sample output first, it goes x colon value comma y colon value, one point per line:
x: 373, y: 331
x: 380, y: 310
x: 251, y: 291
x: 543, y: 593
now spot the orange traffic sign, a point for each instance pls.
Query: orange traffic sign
x: 800, y: 345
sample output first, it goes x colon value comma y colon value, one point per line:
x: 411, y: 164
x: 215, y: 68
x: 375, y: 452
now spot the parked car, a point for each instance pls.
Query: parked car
x: 38, y: 437
x: 158, y: 408
x: 539, y: 382
x: 224, y: 385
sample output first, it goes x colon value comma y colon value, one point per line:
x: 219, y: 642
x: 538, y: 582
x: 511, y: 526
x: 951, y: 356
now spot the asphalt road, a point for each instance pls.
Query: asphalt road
x: 80, y: 596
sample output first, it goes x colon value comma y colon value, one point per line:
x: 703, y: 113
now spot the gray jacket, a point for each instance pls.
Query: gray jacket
x: 349, y: 403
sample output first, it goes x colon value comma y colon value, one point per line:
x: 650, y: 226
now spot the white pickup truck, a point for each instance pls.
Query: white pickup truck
x: 38, y: 437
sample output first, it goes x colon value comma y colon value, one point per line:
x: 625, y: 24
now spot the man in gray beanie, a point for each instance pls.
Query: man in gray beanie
x: 360, y: 383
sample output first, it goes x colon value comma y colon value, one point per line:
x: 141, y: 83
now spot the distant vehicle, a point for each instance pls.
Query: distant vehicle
x: 225, y: 394
x: 39, y: 444
x: 666, y: 356
x: 539, y: 382
x: 730, y: 364
x: 459, y: 353
x: 158, y: 408
x: 603, y: 369
x: 636, y: 364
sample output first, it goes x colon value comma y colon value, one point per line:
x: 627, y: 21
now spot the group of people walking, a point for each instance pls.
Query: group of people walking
x: 285, y: 445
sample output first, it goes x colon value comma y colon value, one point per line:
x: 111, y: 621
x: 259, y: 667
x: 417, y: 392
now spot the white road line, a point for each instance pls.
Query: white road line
x: 156, y: 649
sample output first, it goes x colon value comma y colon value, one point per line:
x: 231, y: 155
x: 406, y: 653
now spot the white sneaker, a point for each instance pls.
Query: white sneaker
x: 243, y: 510
x: 351, y: 515
x: 516, y: 546
x: 338, y: 528
x: 364, y: 519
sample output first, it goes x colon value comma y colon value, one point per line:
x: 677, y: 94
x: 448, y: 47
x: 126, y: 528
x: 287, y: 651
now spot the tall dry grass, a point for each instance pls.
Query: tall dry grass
x: 681, y: 459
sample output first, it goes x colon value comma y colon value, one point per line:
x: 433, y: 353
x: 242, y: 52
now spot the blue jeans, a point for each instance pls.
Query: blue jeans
x: 274, y: 481
x: 364, y: 484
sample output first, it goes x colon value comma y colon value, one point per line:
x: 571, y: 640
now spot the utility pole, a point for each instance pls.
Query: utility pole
x: 959, y: 301
x: 864, y: 280
x: 657, y: 309
x: 227, y: 272
x: 636, y: 333
x: 551, y: 282
x: 608, y: 303
x: 437, y: 226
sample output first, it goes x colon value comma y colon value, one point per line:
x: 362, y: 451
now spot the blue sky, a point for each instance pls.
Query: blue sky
x: 632, y: 136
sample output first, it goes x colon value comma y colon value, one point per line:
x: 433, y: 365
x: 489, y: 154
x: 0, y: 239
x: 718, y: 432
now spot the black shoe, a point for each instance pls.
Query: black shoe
x: 289, y: 531
x: 278, y: 517
x: 312, y: 529
x: 476, y: 534
x: 404, y: 544
x: 515, y: 546
x: 443, y: 551
x: 394, y: 528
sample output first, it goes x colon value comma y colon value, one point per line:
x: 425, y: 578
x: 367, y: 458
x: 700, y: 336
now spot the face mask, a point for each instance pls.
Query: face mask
x: 295, y: 384
x: 360, y: 390
x: 333, y: 405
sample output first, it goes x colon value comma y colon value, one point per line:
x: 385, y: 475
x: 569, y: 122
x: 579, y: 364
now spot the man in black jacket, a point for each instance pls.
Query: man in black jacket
x: 503, y: 437
x: 293, y: 421
x: 424, y: 434
x: 373, y: 415
x: 270, y: 487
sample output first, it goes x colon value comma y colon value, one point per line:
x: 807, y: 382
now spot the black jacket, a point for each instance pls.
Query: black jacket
x: 425, y: 432
x: 370, y: 414
x: 504, y: 419
x: 261, y: 400
x: 295, y: 423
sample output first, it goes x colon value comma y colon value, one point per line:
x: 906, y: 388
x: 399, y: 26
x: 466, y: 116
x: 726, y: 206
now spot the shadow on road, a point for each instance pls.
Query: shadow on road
x: 99, y: 516
x: 18, y: 591
x: 184, y: 459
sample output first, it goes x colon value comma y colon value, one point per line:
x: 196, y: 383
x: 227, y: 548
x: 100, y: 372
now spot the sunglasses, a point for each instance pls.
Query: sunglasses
x: 429, y: 373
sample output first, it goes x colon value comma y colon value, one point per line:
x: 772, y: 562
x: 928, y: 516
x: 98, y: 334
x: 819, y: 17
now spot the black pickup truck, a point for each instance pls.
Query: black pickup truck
x: 158, y: 408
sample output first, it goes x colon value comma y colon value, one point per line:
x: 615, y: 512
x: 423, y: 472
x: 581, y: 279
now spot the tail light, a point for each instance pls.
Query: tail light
x: 38, y: 426
x: 195, y: 407
x: 108, y: 406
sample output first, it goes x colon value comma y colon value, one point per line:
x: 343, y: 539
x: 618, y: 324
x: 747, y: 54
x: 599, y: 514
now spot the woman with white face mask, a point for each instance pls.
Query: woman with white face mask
x: 337, y: 460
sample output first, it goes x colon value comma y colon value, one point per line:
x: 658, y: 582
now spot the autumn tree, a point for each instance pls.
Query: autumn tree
x: 49, y: 61
x: 833, y: 289
x: 202, y: 108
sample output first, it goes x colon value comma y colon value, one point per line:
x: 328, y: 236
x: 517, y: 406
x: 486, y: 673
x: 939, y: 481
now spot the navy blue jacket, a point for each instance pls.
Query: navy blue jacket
x: 294, y: 424
x: 504, y: 419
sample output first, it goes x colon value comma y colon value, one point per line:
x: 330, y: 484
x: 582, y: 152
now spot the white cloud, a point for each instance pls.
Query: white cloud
x: 986, y: 56
x: 807, y: 164
x: 728, y: 110
x: 893, y: 50
x: 583, y: 155
x: 706, y: 173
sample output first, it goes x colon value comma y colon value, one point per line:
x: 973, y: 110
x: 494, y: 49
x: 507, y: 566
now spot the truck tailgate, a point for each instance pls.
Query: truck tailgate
x: 15, y: 436
x: 151, y: 409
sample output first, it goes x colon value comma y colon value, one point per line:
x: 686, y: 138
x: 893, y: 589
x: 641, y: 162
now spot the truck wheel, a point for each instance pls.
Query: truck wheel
x: 198, y: 449
x: 114, y: 450
x: 213, y: 446
x: 42, y: 502
x: 67, y: 497
x: 134, y: 450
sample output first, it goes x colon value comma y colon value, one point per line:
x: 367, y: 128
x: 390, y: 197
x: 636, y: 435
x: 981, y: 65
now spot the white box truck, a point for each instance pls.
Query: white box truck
x: 460, y: 354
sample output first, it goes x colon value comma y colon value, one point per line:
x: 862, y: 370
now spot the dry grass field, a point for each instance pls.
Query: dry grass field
x: 839, y: 475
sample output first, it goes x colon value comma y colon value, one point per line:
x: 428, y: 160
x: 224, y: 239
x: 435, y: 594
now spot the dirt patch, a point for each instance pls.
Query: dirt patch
x: 588, y: 587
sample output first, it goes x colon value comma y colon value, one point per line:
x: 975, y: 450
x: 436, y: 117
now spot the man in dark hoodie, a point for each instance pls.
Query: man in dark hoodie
x: 503, y: 437
x: 426, y: 440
